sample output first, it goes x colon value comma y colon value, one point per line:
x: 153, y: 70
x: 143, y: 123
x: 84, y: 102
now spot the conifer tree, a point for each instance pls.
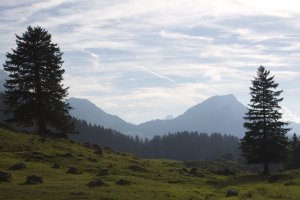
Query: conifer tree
x: 34, y: 93
x: 265, y: 139
x: 295, y: 152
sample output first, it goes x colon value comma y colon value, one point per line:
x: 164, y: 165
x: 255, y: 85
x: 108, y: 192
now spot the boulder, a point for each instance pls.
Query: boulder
x: 55, y: 166
x: 73, y: 170
x: 92, y: 159
x: 184, y: 170
x: 103, y: 172
x: 195, y: 173
x: 96, y: 146
x: 137, y: 168
x: 232, y: 192
x: 18, y: 166
x: 224, y: 172
x: 99, y: 151
x: 123, y: 182
x: 193, y: 170
x: 34, y: 179
x: 96, y: 183
x: 5, y: 176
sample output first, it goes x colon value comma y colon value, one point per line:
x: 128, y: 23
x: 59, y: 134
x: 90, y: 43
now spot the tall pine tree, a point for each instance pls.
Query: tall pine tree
x: 34, y: 93
x: 295, y: 153
x: 265, y: 140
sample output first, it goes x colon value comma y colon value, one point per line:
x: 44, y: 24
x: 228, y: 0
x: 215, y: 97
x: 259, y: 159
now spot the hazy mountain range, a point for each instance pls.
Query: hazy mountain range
x: 221, y: 114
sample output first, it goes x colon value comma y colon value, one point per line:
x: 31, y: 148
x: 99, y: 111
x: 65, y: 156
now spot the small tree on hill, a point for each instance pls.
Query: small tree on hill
x: 34, y: 92
x: 295, y: 153
x: 265, y: 140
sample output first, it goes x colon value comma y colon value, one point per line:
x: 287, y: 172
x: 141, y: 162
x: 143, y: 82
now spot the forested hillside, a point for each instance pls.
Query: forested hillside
x: 179, y: 146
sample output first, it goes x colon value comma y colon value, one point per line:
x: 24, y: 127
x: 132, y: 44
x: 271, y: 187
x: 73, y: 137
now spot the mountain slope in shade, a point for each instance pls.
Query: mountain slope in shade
x: 222, y: 114
x: 84, y: 109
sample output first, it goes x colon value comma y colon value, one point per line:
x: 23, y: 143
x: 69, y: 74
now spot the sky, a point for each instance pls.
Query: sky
x: 147, y: 59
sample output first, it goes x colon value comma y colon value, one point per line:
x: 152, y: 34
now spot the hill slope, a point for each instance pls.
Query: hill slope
x: 84, y: 109
x: 141, y: 178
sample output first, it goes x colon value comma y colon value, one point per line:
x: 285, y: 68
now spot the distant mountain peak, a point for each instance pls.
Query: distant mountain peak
x: 84, y: 109
x: 225, y: 98
x: 168, y: 117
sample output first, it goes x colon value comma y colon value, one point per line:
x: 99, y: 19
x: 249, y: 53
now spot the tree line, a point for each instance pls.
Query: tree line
x: 179, y: 146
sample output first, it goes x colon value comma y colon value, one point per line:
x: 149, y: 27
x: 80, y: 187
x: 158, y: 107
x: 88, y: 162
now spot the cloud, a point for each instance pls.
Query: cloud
x: 286, y: 75
x: 173, y: 35
x: 214, y: 75
x: 158, y: 75
x: 161, y: 57
x: 288, y: 115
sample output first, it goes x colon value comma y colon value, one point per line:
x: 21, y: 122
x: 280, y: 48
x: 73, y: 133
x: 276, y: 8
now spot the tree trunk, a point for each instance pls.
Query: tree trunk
x: 266, y: 168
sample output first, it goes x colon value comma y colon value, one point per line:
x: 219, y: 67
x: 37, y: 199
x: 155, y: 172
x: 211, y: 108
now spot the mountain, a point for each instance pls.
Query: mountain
x: 222, y: 114
x: 84, y: 109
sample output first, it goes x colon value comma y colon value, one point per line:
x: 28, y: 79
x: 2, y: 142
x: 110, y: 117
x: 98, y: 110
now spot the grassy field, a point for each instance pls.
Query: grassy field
x: 141, y: 178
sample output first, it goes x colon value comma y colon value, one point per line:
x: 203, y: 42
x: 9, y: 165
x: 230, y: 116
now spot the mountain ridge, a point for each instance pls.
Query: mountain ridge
x: 194, y: 119
x: 221, y: 114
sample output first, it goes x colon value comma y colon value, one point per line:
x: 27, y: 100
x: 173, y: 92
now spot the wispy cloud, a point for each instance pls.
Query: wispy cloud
x: 161, y: 57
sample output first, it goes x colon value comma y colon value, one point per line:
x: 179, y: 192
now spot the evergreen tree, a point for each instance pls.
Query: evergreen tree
x: 265, y: 140
x: 34, y: 92
x: 295, y: 152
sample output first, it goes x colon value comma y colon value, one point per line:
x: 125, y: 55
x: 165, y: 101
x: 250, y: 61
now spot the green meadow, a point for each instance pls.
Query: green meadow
x: 125, y: 176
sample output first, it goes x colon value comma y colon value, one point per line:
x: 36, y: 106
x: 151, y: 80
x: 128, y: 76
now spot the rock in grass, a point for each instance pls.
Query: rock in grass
x: 96, y: 146
x: 195, y: 173
x: 55, y: 166
x: 73, y: 170
x: 103, y: 172
x: 232, y: 192
x: 5, y: 176
x: 34, y: 179
x: 18, y: 166
x: 224, y: 172
x: 99, y: 151
x: 92, y: 160
x: 96, y: 183
x: 137, y: 168
x: 123, y: 182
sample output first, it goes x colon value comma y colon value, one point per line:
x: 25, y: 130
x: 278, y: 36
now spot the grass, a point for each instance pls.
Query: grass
x: 148, y: 178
